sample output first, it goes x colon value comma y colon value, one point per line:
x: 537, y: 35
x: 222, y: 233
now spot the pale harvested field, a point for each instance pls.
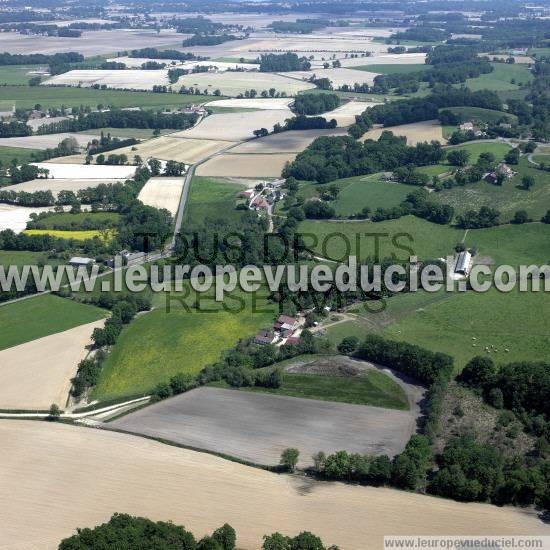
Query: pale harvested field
x: 134, y: 79
x: 258, y: 427
x: 255, y: 103
x: 235, y: 126
x: 162, y: 193
x: 46, y: 465
x: 57, y: 185
x: 61, y: 170
x: 233, y: 84
x: 174, y: 148
x: 415, y: 133
x: 90, y: 43
x: 386, y: 59
x: 285, y: 142
x: 38, y: 373
x: 338, y: 77
x: 222, y: 65
x: 48, y: 141
x: 137, y: 62
x: 16, y: 217
x: 246, y: 166
x: 345, y: 114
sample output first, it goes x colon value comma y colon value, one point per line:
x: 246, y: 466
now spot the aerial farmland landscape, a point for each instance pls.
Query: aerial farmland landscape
x: 274, y: 275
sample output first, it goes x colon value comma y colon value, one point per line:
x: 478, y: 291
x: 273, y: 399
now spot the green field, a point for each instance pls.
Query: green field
x: 508, y: 198
x: 211, y: 198
x: 26, y: 257
x: 475, y: 148
x: 21, y: 154
x: 394, y: 69
x: 397, y: 238
x: 371, y: 388
x: 138, y: 133
x: 466, y: 323
x: 162, y: 343
x: 26, y: 97
x: 512, y: 244
x: 16, y: 74
x: 34, y: 318
x: 477, y: 114
x: 500, y: 80
x: 67, y: 220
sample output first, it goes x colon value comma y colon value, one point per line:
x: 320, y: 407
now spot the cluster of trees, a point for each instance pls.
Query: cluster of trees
x: 27, y: 172
x: 107, y: 143
x: 333, y: 157
x: 118, y: 118
x: 303, y: 122
x: 314, y: 104
x: 284, y: 62
x: 39, y: 58
x: 125, y: 531
x: 209, y: 39
x: 422, y: 33
x: 476, y: 219
x: 175, y: 73
x: 197, y: 25
x: 153, y: 53
x: 300, y: 26
x: 14, y: 128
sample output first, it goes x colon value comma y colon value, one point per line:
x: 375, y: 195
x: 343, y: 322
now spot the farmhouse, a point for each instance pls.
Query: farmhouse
x: 467, y: 126
x: 264, y: 337
x: 258, y: 203
x: 463, y: 261
x: 246, y: 194
x: 502, y: 170
x: 286, y: 325
x: 77, y: 261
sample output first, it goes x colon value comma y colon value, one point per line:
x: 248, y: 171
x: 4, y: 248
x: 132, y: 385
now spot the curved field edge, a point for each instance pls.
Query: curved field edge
x: 117, y: 472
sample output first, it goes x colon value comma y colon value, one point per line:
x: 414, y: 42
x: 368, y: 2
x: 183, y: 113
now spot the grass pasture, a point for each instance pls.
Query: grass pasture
x: 183, y: 338
x: 371, y: 388
x: 26, y: 97
x: 477, y: 114
x: 16, y: 75
x: 396, y: 68
x: 500, y: 80
x: 397, y: 239
x: 211, y: 198
x: 25, y: 257
x: 508, y: 198
x: 34, y: 318
x: 21, y: 154
x: 68, y: 221
x: 466, y: 323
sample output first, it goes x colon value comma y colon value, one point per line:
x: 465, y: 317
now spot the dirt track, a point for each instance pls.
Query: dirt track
x: 59, y: 477
x: 258, y: 427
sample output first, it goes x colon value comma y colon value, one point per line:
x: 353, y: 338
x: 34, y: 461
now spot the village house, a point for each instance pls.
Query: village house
x: 259, y: 203
x: 466, y: 126
x: 286, y: 325
x: 264, y: 337
x: 502, y: 170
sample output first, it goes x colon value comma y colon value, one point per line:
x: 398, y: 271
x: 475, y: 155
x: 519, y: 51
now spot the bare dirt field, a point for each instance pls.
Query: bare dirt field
x: 134, y: 79
x: 338, y: 77
x: 255, y: 103
x: 284, y: 142
x: 246, y: 166
x: 345, y: 114
x: 162, y: 193
x: 174, y: 148
x: 90, y: 43
x: 16, y: 217
x: 48, y: 141
x: 56, y: 185
x: 386, y: 59
x: 233, y: 84
x: 235, y: 126
x: 111, y: 472
x: 63, y: 170
x: 258, y: 427
x: 38, y: 373
x: 415, y: 133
